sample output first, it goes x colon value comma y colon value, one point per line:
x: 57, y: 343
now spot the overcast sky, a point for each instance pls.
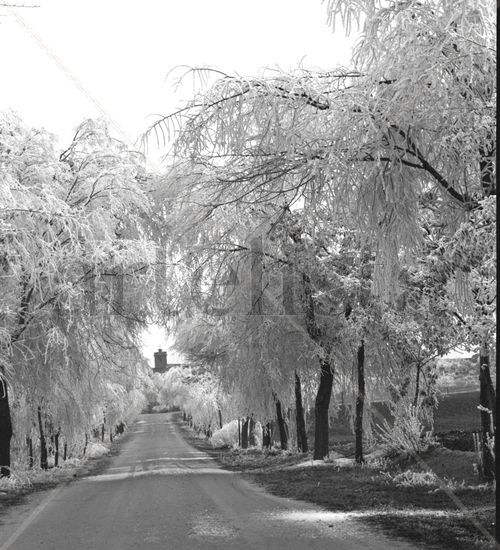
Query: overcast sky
x: 72, y: 59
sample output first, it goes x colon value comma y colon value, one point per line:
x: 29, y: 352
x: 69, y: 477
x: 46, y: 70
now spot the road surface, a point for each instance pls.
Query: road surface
x: 161, y: 493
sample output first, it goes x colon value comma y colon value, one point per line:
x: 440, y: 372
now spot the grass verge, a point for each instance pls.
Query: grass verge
x: 396, y: 496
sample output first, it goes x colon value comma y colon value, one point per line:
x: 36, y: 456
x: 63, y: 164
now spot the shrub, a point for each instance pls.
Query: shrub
x: 18, y: 479
x: 227, y: 436
x: 95, y: 449
x: 410, y: 478
x: 407, y: 433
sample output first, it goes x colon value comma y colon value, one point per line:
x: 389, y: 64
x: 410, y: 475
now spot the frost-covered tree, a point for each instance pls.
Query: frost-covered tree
x: 413, y: 120
x: 431, y: 69
x: 74, y: 256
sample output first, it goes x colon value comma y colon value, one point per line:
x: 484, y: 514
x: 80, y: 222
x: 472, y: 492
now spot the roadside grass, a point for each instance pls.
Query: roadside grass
x: 449, y: 530
x: 421, y: 513
x: 446, y: 509
x: 24, y: 481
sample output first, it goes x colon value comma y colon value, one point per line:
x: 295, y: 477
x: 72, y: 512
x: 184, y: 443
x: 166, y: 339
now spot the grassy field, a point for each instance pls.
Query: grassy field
x: 446, y: 509
x: 455, y: 419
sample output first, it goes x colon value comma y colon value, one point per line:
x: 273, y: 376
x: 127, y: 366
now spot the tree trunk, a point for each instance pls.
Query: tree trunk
x: 486, y: 390
x: 239, y: 433
x: 244, y: 433
x: 252, y: 441
x: 256, y: 276
x: 266, y: 435
x: 86, y: 443
x: 360, y: 403
x: 281, y: 426
x: 323, y: 396
x: 417, y: 384
x: 220, y: 419
x: 29, y: 443
x: 56, y: 447
x: 65, y: 451
x: 488, y: 421
x: 5, y: 428
x: 321, y: 406
x: 299, y: 417
x: 43, y: 443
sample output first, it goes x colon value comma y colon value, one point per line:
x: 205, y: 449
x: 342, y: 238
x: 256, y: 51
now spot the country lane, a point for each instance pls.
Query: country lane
x: 161, y: 493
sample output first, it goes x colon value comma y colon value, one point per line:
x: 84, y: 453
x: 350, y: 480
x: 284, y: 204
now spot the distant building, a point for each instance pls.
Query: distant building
x: 161, y: 363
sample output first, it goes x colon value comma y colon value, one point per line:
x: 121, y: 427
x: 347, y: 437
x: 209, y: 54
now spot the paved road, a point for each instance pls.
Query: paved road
x: 161, y: 493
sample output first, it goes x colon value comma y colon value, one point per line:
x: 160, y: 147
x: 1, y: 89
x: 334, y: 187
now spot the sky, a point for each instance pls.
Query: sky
x: 65, y: 61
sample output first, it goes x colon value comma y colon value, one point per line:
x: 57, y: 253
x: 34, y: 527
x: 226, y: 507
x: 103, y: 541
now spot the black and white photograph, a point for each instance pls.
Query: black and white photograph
x: 248, y: 275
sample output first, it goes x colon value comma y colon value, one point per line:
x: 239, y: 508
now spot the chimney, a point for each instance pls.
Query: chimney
x: 160, y: 361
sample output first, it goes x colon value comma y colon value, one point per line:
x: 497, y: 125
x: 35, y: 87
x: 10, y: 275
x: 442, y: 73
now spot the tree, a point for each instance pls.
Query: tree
x: 70, y: 225
x: 413, y: 121
x: 227, y: 298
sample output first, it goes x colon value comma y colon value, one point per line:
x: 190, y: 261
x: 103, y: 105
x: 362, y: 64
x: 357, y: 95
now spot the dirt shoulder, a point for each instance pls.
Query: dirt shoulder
x: 401, y: 497
x: 26, y: 485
